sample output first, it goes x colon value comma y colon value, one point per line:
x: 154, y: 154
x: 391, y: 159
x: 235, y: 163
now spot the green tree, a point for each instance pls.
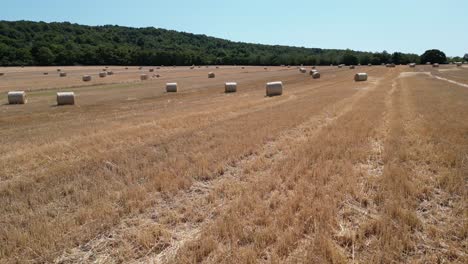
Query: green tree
x: 350, y: 59
x: 433, y: 56
x: 44, y: 56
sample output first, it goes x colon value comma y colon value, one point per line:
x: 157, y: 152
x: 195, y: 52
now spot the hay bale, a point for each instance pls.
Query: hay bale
x: 102, y: 74
x: 302, y: 70
x: 126, y: 68
x: 211, y: 75
x: 340, y: 66
x: 316, y: 75
x: 143, y: 77
x: 412, y: 65
x: 274, y: 88
x: 313, y: 67
x: 58, y: 70
x: 242, y: 67
x: 17, y: 97
x: 265, y: 68
x: 86, y: 78
x: 390, y: 65
x: 65, y: 98
x: 428, y: 63
x: 370, y: 64
x: 46, y: 73
x: 459, y: 63
x: 230, y: 87
x: 435, y: 65
x: 140, y: 68
x: 151, y: 70
x: 1, y: 73
x: 171, y: 87
x: 352, y: 67
x: 63, y: 74
x: 359, y: 77
x: 312, y: 72
x: 110, y: 73
x: 217, y: 67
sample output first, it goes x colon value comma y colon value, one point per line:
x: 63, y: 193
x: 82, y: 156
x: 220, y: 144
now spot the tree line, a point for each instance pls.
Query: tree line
x: 39, y: 43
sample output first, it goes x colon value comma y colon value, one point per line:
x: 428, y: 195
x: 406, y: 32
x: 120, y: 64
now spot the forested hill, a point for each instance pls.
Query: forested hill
x: 39, y: 43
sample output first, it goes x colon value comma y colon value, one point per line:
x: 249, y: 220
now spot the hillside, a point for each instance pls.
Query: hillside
x: 40, y: 43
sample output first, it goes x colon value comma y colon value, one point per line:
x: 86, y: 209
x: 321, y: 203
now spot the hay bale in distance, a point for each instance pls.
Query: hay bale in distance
x: 435, y: 65
x: 151, y: 70
x: 302, y: 70
x: 211, y: 75
x: 102, y: 74
x: 17, y: 97
x: 359, y: 77
x: 316, y: 75
x: 352, y: 67
x: 230, y: 87
x: 274, y: 88
x: 458, y: 63
x: 46, y: 73
x: 58, y: 70
x: 110, y: 73
x: 65, y: 98
x: 63, y: 74
x: 171, y: 87
x: 1, y: 73
x: 86, y: 78
x: 412, y: 65
x: 143, y: 77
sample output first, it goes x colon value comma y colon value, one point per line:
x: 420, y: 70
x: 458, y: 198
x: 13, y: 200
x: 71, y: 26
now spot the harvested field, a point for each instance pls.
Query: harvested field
x: 331, y: 171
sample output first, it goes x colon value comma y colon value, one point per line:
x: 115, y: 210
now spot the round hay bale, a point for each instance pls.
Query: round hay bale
x: 140, y: 68
x: 302, y: 70
x: 217, y: 67
x: 1, y: 73
x: 17, y: 97
x: 340, y: 66
x: 316, y: 75
x: 428, y: 63
x: 151, y: 70
x: 370, y: 64
x: 171, y: 87
x: 412, y: 65
x: 86, y: 78
x: 157, y: 75
x: 65, y: 98
x: 63, y: 74
x: 110, y: 73
x: 459, y: 63
x: 230, y: 87
x: 359, y: 77
x: 274, y: 88
x: 352, y: 67
x: 435, y: 65
x: 143, y: 77
x: 390, y: 65
x: 266, y: 69
x: 242, y: 67
x: 211, y: 75
x: 313, y: 67
x: 102, y: 74
x: 46, y: 73
x: 58, y: 70
x: 312, y: 72
x: 126, y: 68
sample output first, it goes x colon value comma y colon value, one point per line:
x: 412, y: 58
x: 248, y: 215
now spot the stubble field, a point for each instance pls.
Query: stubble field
x: 332, y: 171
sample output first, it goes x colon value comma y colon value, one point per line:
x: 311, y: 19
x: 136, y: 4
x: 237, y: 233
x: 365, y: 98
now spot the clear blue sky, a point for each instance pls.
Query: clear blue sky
x: 369, y: 25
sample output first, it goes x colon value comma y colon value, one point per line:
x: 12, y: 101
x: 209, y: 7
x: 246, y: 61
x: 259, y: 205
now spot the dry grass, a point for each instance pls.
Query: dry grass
x: 333, y: 171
